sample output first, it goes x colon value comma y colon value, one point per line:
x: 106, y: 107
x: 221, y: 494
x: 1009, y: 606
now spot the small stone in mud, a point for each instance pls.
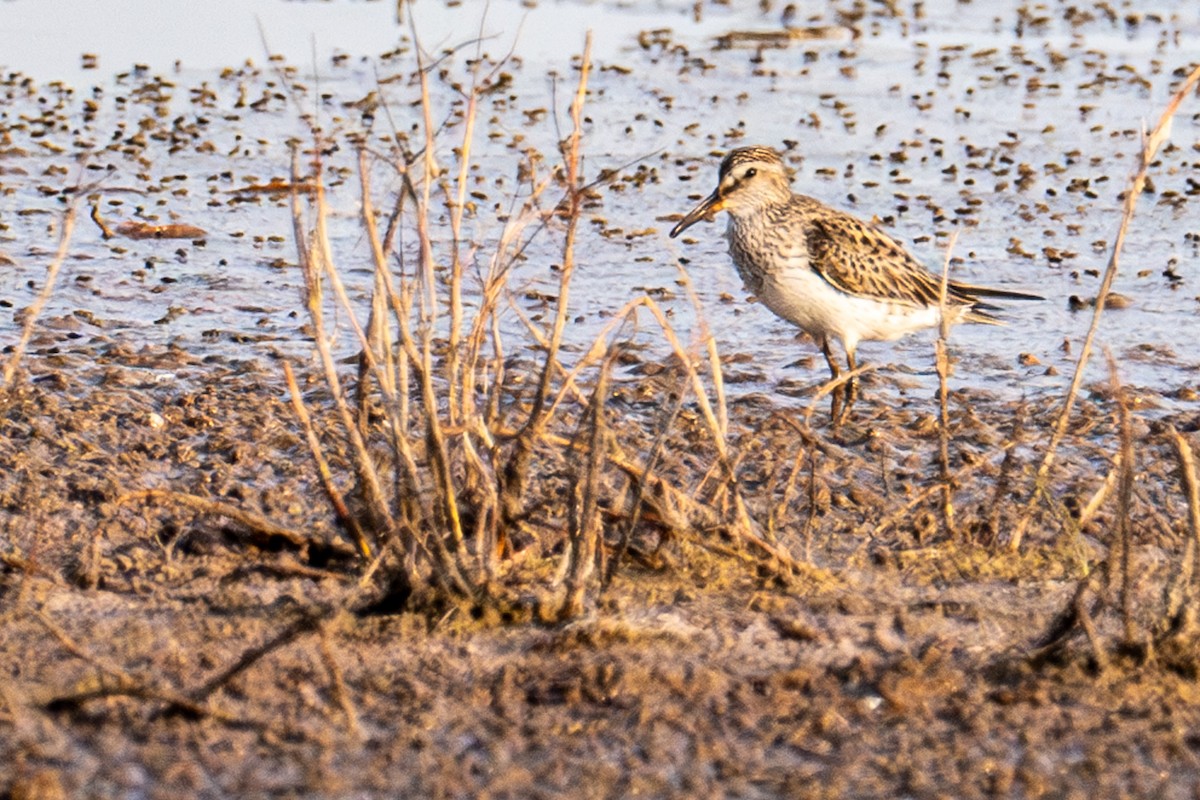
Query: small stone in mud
x: 1114, y: 301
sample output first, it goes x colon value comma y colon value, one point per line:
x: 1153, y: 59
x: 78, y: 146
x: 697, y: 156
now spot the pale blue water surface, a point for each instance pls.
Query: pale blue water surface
x: 1016, y: 129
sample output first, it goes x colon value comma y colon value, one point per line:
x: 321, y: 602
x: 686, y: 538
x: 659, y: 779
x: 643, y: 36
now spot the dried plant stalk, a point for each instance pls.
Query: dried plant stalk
x: 641, y: 484
x: 368, y: 477
x: 943, y: 372
x: 34, y: 310
x: 583, y: 546
x: 347, y: 520
x: 1124, y: 538
x: 1150, y: 145
x: 1180, y: 593
x: 515, y: 472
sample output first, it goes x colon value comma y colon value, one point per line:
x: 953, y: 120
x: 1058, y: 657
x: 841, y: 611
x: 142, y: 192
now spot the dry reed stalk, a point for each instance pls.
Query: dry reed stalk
x: 378, y: 330
x: 409, y: 489
x: 100, y: 663
x: 812, y: 446
x: 1084, y: 617
x: 457, y: 205
x: 116, y: 681
x: 306, y: 621
x: 368, y: 477
x: 391, y: 374
x: 460, y: 373
x: 376, y: 362
x: 710, y: 346
x: 448, y: 515
x: 830, y: 386
x: 583, y: 518
x: 448, y: 565
x: 1124, y: 539
x: 1007, y: 469
x: 1150, y: 145
x: 943, y: 372
x: 483, y: 481
x: 486, y: 324
x: 1180, y: 593
x: 789, y: 489
x: 573, y: 201
x: 810, y: 523
x: 514, y: 475
x: 724, y: 459
x: 598, y: 348
x: 451, y: 562
x: 34, y: 310
x: 671, y: 501
x: 345, y: 518
x: 641, y: 482
x: 1100, y: 496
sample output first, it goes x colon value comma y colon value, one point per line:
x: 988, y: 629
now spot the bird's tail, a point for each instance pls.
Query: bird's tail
x: 979, y: 311
x: 972, y: 291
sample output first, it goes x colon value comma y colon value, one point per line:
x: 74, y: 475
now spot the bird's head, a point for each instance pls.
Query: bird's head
x: 750, y: 179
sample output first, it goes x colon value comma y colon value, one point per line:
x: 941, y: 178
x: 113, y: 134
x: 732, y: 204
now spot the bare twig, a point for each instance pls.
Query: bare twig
x: 641, y: 483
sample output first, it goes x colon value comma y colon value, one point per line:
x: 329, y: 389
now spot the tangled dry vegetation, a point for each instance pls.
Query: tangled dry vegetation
x: 466, y: 481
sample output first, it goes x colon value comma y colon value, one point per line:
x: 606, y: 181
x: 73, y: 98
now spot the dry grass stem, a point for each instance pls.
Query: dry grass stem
x: 514, y: 476
x: 583, y: 517
x: 348, y: 520
x: 1150, y: 145
x: 1100, y: 496
x: 943, y: 372
x: 1180, y: 594
x: 1124, y: 534
x: 315, y: 260
x: 641, y: 483
x: 710, y: 346
x: 31, y: 314
x: 829, y: 387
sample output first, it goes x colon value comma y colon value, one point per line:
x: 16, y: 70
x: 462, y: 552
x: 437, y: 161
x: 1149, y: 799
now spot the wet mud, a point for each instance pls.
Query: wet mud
x: 141, y: 649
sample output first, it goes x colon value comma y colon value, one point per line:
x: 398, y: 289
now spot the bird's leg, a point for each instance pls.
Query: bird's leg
x: 852, y: 384
x: 835, y: 403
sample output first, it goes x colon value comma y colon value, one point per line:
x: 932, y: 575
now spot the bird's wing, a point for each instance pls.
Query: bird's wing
x: 863, y: 261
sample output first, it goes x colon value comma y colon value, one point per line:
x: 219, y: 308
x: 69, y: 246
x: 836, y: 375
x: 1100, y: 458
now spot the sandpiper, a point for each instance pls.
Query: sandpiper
x: 825, y: 271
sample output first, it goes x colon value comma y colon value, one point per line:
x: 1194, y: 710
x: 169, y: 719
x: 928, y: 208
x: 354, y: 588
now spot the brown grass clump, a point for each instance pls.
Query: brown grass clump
x: 467, y: 464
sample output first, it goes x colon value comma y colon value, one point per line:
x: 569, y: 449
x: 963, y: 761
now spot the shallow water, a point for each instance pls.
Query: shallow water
x: 1016, y: 125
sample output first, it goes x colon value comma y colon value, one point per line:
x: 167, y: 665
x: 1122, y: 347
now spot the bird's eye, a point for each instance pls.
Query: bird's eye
x: 750, y: 173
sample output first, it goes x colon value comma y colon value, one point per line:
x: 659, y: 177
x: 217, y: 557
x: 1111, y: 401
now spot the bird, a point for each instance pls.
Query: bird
x: 827, y: 272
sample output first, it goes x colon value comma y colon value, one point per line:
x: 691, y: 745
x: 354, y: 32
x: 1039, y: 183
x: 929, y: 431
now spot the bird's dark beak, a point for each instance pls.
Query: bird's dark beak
x: 707, y: 208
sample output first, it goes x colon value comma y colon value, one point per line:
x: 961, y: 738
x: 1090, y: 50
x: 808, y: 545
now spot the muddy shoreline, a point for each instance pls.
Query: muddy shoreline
x: 907, y: 672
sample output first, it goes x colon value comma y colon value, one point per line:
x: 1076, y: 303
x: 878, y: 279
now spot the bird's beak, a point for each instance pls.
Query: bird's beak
x: 707, y: 208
